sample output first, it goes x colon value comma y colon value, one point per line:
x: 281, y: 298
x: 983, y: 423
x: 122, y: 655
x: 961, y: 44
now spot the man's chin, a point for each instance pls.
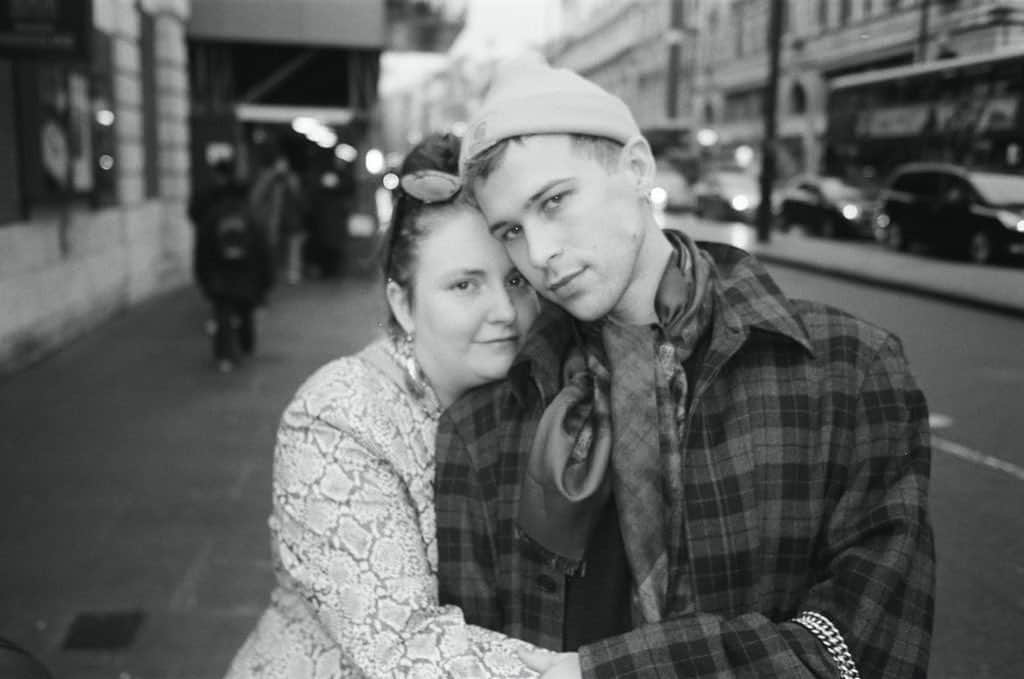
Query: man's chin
x: 577, y: 307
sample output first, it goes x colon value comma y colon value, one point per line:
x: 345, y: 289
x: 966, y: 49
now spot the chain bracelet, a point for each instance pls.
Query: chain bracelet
x: 822, y: 628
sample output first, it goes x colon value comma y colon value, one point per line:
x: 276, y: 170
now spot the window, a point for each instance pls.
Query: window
x: 798, y: 99
x: 844, y: 12
x: 57, y: 141
x: 737, y: 16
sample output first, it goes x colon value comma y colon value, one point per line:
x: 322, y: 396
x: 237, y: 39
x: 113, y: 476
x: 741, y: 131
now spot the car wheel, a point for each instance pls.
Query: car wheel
x: 896, y: 238
x: 980, y: 248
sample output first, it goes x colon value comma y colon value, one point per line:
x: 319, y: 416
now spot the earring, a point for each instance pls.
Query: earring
x: 414, y: 379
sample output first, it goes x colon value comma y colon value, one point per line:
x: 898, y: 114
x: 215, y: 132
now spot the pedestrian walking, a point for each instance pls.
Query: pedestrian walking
x: 686, y: 473
x: 279, y: 203
x: 234, y: 269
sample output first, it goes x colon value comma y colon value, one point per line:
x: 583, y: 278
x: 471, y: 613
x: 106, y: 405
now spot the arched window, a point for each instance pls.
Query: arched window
x: 797, y: 99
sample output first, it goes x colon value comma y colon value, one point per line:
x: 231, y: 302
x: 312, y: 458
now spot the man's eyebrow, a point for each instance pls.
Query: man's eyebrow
x: 499, y: 225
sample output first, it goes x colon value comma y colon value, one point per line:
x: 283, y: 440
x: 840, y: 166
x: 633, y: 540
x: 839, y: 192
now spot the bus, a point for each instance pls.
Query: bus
x: 968, y: 111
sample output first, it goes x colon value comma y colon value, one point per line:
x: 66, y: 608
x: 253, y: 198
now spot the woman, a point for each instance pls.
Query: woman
x: 353, y: 519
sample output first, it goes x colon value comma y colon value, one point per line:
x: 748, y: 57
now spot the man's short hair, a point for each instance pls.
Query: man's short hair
x: 605, y: 151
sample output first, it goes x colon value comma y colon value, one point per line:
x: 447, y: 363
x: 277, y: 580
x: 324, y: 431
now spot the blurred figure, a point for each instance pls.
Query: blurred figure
x: 17, y: 663
x: 331, y: 197
x: 234, y: 269
x: 279, y: 203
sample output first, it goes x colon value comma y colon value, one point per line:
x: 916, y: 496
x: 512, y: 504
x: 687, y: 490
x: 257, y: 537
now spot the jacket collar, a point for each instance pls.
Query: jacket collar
x: 747, y: 295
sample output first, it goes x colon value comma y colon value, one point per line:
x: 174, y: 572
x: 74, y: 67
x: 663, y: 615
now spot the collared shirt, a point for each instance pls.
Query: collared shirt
x: 805, y: 477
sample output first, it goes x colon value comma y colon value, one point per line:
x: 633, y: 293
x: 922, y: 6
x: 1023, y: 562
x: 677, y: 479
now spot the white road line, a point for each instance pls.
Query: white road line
x: 185, y: 596
x: 970, y: 455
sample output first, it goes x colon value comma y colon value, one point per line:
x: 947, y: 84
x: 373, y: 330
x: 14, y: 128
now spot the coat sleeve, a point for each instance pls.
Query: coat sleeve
x: 348, y: 541
x: 466, y: 570
x: 874, y: 568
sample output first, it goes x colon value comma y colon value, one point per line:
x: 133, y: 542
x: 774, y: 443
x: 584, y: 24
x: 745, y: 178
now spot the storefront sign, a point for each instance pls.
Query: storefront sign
x: 58, y: 28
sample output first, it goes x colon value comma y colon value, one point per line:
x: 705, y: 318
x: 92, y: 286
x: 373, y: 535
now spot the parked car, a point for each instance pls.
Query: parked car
x: 727, y: 196
x: 671, y: 191
x: 974, y: 214
x: 824, y: 206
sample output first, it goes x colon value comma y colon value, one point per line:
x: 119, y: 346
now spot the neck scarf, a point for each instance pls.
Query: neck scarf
x: 601, y: 435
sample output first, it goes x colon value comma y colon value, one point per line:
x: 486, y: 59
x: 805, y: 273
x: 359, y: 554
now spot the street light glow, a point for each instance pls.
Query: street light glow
x: 374, y: 161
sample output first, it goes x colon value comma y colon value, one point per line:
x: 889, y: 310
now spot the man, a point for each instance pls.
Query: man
x: 686, y: 474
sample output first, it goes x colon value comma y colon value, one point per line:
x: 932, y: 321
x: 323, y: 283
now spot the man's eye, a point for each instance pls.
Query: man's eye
x: 554, y: 202
x: 517, y: 280
x: 463, y: 286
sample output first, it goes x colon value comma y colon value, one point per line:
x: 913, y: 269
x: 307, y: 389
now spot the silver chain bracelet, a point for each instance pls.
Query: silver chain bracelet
x: 829, y: 636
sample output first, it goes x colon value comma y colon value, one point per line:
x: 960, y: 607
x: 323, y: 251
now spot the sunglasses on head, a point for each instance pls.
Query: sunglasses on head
x: 431, y: 186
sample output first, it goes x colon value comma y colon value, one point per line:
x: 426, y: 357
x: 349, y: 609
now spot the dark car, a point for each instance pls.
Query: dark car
x: 969, y: 213
x: 824, y: 206
x: 727, y: 196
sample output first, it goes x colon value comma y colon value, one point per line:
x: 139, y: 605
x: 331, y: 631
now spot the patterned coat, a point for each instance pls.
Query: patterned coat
x: 805, y: 481
x: 353, y: 532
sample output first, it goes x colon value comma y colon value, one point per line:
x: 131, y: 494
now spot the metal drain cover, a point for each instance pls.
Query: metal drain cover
x: 103, y: 631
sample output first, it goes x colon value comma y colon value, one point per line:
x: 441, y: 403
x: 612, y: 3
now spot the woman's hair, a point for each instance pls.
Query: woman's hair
x: 413, y: 219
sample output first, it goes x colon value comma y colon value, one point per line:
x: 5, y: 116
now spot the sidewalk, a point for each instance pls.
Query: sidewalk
x: 135, y: 482
x: 994, y: 288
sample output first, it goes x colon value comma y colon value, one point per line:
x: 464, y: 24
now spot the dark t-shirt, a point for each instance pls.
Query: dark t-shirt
x: 597, y: 604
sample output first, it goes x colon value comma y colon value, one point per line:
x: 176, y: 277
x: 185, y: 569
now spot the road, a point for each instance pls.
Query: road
x: 970, y: 364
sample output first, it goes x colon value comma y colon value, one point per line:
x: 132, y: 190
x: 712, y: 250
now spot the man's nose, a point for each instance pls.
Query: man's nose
x: 541, y: 245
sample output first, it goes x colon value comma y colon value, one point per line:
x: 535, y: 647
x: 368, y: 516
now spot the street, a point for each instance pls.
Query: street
x: 970, y: 366
x: 136, y: 479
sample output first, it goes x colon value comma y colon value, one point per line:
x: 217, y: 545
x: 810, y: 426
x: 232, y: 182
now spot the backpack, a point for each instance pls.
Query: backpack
x: 232, y: 238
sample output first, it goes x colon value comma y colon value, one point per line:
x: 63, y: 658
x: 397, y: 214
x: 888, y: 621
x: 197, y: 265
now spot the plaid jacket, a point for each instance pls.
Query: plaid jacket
x: 806, y: 478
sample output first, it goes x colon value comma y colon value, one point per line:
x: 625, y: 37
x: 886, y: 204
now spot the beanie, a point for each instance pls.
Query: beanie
x: 528, y: 96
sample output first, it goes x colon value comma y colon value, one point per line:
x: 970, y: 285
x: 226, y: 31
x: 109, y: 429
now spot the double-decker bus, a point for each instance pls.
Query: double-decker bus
x: 968, y: 111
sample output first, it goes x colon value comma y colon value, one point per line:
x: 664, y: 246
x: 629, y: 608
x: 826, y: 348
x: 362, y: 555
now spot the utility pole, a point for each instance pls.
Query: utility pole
x: 675, y: 48
x: 771, y: 97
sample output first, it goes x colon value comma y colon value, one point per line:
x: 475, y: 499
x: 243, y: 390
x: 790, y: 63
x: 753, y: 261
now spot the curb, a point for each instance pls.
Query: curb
x: 1001, y: 308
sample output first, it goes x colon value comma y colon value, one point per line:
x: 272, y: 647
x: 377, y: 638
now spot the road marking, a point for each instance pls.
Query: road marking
x: 971, y: 455
x: 186, y: 594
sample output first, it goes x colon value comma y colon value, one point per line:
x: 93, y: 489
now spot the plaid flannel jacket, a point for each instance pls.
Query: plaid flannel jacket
x: 806, y: 472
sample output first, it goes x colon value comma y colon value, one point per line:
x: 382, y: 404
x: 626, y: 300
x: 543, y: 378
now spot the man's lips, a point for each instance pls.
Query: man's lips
x: 560, y: 283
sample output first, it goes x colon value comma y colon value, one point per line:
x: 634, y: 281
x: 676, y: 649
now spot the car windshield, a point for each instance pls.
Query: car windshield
x: 999, y: 189
x: 836, y: 189
x: 736, y: 182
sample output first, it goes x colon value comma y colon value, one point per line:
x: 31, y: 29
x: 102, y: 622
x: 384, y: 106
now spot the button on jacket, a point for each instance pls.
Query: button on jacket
x: 805, y: 477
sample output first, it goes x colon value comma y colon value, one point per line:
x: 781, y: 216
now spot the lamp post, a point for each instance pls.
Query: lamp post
x: 771, y: 96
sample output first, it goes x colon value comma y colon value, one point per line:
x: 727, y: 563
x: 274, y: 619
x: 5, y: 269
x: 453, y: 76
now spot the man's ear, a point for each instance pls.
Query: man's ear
x: 401, y: 309
x: 637, y: 161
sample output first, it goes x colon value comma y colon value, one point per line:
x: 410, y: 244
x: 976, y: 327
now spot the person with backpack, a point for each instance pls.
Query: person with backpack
x: 234, y: 269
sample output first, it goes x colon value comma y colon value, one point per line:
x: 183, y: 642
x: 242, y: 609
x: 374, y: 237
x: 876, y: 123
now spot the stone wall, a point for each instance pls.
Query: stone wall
x: 115, y: 256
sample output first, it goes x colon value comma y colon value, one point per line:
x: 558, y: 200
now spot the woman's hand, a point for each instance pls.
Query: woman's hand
x: 553, y: 665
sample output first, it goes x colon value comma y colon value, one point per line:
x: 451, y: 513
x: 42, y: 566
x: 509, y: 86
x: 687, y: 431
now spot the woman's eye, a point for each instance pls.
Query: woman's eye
x: 463, y: 286
x: 517, y: 280
x: 510, y: 233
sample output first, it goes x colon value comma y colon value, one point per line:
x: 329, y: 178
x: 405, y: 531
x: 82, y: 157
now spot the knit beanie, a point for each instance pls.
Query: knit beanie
x: 528, y: 96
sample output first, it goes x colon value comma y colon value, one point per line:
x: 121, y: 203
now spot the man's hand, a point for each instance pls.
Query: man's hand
x: 553, y: 665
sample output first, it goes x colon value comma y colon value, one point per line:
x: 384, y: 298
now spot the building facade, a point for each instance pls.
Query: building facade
x: 95, y: 165
x: 721, y: 79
